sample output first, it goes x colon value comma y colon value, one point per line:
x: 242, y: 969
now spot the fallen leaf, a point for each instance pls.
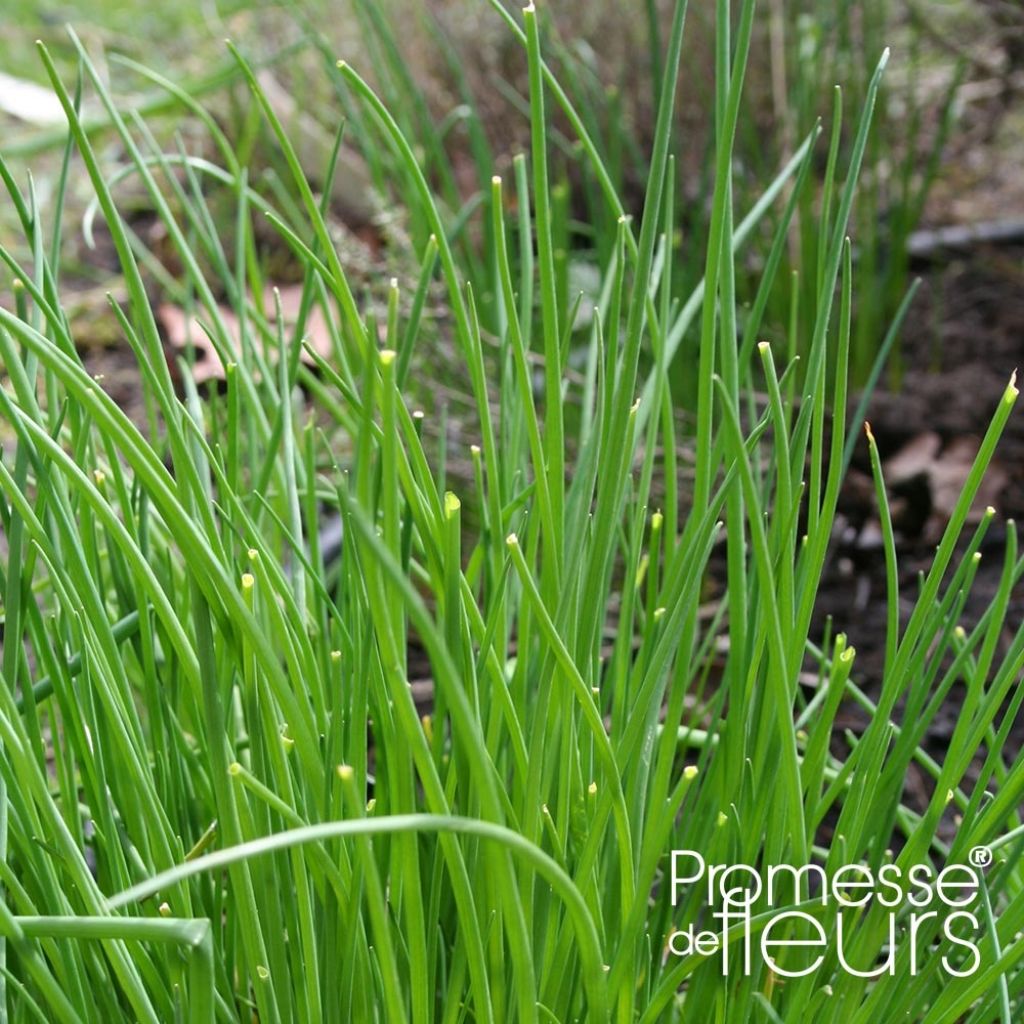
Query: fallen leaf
x: 944, y: 472
x: 180, y: 329
x: 915, y: 458
x: 949, y: 474
x: 29, y: 102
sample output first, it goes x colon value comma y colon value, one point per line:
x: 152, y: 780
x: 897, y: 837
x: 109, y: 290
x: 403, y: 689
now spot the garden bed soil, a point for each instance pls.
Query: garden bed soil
x: 962, y: 340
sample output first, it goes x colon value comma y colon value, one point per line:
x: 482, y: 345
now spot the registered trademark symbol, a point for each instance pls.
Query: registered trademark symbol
x: 980, y: 856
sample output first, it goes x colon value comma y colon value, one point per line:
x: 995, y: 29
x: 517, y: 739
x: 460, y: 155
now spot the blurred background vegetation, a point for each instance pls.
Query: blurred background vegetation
x: 946, y: 150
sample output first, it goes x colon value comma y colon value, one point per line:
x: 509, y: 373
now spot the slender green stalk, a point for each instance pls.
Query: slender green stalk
x: 401, y: 677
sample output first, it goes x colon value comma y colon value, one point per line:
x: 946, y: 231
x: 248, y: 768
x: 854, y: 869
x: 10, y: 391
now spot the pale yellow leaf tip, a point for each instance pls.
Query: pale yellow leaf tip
x: 512, y: 540
x: 345, y: 772
x: 387, y: 356
x: 690, y: 772
x: 248, y: 580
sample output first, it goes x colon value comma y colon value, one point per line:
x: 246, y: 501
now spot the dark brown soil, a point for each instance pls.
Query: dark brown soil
x: 963, y: 339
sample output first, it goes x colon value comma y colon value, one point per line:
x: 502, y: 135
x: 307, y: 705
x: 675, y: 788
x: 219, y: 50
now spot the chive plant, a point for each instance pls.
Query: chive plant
x: 218, y: 797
